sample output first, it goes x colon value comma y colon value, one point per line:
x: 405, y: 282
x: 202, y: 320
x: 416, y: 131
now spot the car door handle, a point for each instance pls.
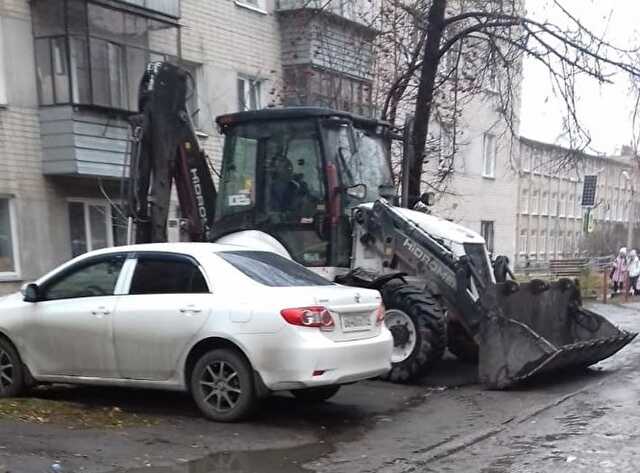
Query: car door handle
x: 100, y: 311
x: 190, y: 309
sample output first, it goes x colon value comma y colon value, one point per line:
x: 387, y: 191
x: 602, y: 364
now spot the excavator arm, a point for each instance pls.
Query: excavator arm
x: 166, y: 150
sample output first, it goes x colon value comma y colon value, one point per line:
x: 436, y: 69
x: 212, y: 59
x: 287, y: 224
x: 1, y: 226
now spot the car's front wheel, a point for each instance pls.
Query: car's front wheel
x: 222, y: 386
x: 11, y: 371
x: 319, y: 394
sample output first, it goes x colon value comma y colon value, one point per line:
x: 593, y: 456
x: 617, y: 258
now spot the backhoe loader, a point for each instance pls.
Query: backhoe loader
x: 315, y: 185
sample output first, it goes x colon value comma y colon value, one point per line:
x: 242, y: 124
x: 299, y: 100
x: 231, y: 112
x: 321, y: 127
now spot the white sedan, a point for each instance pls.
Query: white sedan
x: 230, y: 325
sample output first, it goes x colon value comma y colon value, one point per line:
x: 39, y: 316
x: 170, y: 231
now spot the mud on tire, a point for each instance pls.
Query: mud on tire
x: 429, y: 324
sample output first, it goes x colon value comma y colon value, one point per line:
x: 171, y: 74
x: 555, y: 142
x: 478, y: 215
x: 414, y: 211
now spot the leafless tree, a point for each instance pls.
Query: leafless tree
x: 444, y: 53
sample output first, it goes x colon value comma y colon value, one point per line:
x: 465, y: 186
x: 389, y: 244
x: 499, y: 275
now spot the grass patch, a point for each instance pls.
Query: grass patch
x: 70, y: 415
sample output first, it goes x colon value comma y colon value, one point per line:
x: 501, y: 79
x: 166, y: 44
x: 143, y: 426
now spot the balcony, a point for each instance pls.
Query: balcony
x: 79, y: 142
x: 166, y: 7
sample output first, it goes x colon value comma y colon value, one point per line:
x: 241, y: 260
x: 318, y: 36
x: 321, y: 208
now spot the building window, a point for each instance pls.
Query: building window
x: 486, y: 230
x: 8, y: 239
x: 488, y: 155
x: 536, y: 164
x: 523, y: 241
x: 571, y: 206
x: 524, y: 201
x: 563, y: 205
x: 545, y: 204
x: 249, y: 94
x: 554, y: 204
x: 89, y: 54
x: 560, y: 247
x: 3, y: 78
x: 92, y: 226
x: 542, y: 243
x: 526, y: 159
x: 534, y: 202
x: 532, y: 242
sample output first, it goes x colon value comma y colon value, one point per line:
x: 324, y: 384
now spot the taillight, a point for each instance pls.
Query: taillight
x: 318, y: 317
x: 380, y: 314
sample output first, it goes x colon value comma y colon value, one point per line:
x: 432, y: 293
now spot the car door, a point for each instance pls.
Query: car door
x: 72, y: 332
x: 168, y: 301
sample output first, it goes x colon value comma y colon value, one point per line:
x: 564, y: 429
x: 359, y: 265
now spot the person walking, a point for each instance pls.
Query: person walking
x: 634, y: 271
x: 619, y: 272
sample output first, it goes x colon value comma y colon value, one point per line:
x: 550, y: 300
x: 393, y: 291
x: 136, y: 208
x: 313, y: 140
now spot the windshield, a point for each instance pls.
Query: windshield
x: 272, y: 270
x: 362, y: 158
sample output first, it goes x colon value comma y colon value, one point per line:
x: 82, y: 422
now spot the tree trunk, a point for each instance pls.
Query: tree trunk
x: 435, y: 29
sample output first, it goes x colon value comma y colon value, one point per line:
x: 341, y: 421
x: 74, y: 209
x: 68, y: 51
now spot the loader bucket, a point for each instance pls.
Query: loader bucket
x: 539, y: 327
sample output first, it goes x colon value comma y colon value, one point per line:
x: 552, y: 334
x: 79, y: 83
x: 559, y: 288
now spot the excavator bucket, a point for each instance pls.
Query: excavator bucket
x: 538, y: 327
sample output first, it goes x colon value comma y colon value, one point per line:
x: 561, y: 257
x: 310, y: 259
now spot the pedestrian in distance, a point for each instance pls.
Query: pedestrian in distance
x: 619, y: 271
x: 633, y: 266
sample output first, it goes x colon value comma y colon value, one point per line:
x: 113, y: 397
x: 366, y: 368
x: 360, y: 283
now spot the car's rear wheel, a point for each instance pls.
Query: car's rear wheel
x: 222, y: 385
x: 11, y: 370
x: 319, y: 394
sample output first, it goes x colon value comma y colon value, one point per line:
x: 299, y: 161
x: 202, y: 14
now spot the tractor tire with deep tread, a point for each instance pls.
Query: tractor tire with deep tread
x: 319, y: 394
x: 429, y: 323
x: 222, y: 385
x: 12, y: 373
x: 460, y: 343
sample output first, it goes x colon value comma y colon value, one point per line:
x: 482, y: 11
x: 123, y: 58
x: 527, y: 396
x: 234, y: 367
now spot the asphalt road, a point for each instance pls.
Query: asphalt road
x: 447, y: 423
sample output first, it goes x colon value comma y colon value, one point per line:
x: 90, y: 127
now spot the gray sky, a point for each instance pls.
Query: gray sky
x: 604, y: 110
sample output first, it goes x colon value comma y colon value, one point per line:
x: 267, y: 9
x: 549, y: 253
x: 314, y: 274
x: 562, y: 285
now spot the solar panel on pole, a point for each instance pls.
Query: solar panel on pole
x: 589, y: 191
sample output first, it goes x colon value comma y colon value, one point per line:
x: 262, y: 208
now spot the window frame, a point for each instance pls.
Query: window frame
x: 3, y: 73
x: 248, y: 81
x: 65, y: 271
x: 160, y: 255
x: 15, y: 244
x: 87, y: 202
x: 70, y: 32
x: 487, y: 227
x: 492, y: 173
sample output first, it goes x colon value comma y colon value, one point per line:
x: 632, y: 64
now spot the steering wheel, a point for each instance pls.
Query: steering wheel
x: 96, y: 290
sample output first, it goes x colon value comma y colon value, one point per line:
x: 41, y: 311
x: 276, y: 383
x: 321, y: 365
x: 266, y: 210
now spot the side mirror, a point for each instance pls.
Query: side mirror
x: 359, y: 191
x: 428, y: 198
x: 31, y: 292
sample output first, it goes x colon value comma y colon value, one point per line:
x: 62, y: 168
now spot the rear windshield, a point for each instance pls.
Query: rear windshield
x: 272, y: 270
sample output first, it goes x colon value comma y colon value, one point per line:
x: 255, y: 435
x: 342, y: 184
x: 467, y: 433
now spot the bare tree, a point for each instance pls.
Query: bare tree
x: 453, y: 50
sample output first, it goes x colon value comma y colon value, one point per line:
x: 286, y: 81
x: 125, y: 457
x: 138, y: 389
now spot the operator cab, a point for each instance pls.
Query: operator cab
x: 296, y: 173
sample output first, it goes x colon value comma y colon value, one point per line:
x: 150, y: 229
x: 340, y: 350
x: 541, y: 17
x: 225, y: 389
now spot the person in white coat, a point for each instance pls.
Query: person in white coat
x: 633, y: 266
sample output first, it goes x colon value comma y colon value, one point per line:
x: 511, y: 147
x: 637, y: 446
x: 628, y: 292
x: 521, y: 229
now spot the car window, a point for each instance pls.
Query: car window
x: 97, y: 278
x: 272, y: 270
x: 167, y: 275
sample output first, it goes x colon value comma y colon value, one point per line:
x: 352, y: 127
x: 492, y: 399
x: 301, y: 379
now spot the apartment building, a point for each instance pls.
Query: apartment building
x: 69, y: 72
x: 550, y: 217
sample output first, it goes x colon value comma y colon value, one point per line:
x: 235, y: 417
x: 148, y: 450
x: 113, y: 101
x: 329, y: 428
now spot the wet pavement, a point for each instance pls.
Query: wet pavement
x: 587, y: 422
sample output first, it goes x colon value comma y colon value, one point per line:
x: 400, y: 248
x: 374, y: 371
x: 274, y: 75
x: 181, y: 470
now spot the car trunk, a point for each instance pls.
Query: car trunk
x: 353, y: 310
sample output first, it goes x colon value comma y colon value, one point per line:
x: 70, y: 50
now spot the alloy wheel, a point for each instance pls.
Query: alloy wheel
x: 220, y: 386
x: 6, y: 371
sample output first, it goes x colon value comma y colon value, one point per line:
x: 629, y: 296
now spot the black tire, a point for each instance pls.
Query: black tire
x: 460, y: 343
x: 430, y: 326
x: 227, y: 398
x: 319, y: 394
x: 11, y: 370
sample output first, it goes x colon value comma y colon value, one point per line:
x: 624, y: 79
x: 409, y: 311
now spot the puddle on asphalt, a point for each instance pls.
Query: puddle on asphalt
x: 286, y: 460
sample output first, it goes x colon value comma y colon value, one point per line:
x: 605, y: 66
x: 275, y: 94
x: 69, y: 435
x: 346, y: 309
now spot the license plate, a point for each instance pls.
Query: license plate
x: 356, y: 322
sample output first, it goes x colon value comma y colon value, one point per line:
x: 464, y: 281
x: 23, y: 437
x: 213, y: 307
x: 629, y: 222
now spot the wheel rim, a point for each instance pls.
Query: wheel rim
x: 404, y: 334
x: 6, y: 371
x: 220, y: 385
